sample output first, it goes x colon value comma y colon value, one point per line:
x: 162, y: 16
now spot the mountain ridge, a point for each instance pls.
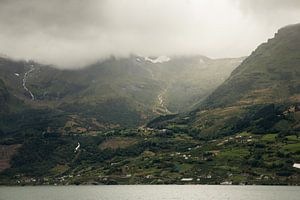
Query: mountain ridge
x: 246, y: 132
x: 124, y: 91
x: 266, y: 59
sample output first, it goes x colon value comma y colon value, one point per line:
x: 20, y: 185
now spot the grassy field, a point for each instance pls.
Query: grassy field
x: 140, y: 157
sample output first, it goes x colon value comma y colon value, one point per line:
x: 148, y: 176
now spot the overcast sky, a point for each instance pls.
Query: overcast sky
x: 71, y: 33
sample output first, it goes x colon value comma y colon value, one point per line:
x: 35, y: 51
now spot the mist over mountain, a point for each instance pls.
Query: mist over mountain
x: 117, y: 122
x: 150, y: 92
x: 120, y: 92
x: 74, y: 33
x: 258, y: 95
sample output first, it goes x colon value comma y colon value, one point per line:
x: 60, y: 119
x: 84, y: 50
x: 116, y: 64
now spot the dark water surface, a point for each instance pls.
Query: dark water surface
x: 153, y: 192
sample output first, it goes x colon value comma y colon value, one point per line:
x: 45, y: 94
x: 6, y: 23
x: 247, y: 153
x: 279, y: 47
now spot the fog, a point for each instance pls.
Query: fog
x: 73, y: 33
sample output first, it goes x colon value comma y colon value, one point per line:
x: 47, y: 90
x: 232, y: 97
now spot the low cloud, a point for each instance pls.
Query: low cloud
x: 72, y: 33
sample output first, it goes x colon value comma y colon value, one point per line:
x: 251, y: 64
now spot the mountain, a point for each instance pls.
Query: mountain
x: 258, y: 94
x: 8, y: 102
x: 248, y: 128
x: 190, y: 80
x: 3, y: 96
x: 244, y: 132
x: 262, y: 94
x: 46, y: 111
x: 269, y: 75
x: 117, y: 92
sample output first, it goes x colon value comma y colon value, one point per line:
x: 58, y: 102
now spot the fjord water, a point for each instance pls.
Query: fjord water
x: 154, y: 192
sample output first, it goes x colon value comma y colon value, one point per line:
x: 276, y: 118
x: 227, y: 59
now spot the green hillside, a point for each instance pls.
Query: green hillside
x: 116, y: 92
x: 245, y: 132
x: 259, y: 106
x: 3, y: 96
x: 261, y: 95
x: 269, y: 75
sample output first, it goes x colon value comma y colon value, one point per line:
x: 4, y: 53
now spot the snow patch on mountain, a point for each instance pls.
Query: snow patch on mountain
x: 160, y: 59
x: 201, y: 61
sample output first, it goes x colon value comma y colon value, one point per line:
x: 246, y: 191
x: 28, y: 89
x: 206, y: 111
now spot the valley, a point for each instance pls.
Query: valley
x: 160, y: 108
x: 155, y: 120
x: 123, y: 92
